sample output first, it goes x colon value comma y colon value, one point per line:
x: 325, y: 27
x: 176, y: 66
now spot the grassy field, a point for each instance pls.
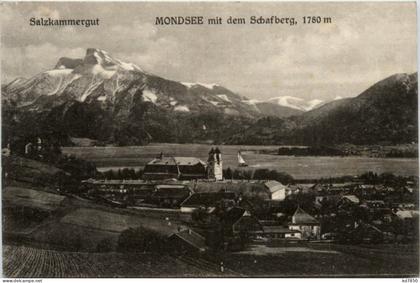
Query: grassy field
x: 113, y: 222
x: 65, y: 223
x: 325, y: 261
x: 19, y: 196
x: 299, y: 167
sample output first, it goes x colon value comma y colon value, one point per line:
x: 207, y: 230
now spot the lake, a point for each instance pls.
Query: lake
x: 300, y: 167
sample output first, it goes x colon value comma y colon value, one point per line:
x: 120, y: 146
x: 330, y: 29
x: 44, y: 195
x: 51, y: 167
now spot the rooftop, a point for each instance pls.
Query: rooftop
x: 207, y: 199
x: 352, y: 198
x: 301, y: 217
x: 274, y: 186
x: 278, y: 229
x: 231, y: 216
x: 192, y: 238
x: 182, y: 161
x: 116, y: 182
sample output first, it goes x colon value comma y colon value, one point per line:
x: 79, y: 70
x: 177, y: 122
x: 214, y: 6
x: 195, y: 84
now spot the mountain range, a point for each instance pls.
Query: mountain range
x: 385, y: 113
x: 106, y: 99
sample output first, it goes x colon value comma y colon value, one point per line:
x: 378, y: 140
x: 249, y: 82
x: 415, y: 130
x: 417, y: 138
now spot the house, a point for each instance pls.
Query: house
x: 366, y: 233
x: 118, y: 186
x: 350, y: 199
x: 347, y: 201
x: 236, y: 220
x: 187, y: 241
x: 403, y: 205
x: 407, y: 214
x: 170, y: 195
x: 293, y: 189
x: 323, y: 200
x: 374, y: 204
x: 319, y: 188
x: 249, y: 189
x: 6, y: 151
x: 277, y: 190
x: 409, y: 189
x: 182, y: 168
x: 280, y: 232
x: 139, y: 192
x: 338, y: 189
x: 208, y: 201
x: 367, y: 187
x: 226, y: 227
x: 305, y: 223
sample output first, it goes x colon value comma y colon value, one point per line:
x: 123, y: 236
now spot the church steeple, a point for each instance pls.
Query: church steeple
x: 214, y: 165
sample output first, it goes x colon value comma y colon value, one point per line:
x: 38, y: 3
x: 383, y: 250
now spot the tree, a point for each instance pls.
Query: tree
x: 228, y: 173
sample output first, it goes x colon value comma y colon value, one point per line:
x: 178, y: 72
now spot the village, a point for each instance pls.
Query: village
x: 217, y: 213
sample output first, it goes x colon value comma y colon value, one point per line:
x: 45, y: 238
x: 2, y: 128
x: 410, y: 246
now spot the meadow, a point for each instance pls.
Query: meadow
x: 300, y: 167
x: 106, y: 221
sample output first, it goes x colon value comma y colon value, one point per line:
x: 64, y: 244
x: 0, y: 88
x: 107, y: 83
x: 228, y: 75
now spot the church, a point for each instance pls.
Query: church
x: 185, y: 168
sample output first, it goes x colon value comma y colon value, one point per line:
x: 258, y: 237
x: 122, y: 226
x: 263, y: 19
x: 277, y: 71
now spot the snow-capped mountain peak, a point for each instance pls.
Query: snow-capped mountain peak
x: 295, y: 102
x: 102, y: 58
x: 100, y: 78
x: 79, y: 79
x: 206, y: 85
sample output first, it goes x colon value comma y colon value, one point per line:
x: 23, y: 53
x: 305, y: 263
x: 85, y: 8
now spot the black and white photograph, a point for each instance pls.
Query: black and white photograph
x: 209, y: 140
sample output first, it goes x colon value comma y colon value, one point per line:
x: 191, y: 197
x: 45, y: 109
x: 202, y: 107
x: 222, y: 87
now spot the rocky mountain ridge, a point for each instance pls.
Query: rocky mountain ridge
x: 106, y: 99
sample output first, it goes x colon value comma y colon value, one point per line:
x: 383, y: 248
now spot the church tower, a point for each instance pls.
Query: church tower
x: 215, y: 165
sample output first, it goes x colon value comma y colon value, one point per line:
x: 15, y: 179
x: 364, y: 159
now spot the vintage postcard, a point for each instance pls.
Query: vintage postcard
x: 209, y: 139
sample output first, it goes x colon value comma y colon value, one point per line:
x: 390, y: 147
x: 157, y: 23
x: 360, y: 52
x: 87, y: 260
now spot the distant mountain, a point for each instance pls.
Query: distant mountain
x: 272, y: 109
x: 100, y: 78
x: 101, y: 97
x: 105, y: 99
x: 385, y: 113
x: 295, y: 102
x: 285, y: 106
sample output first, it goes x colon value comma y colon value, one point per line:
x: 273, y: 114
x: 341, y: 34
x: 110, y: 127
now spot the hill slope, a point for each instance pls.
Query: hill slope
x: 272, y: 109
x: 384, y: 113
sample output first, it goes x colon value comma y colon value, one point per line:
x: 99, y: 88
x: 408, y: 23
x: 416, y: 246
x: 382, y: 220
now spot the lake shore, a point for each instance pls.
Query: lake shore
x: 300, y: 167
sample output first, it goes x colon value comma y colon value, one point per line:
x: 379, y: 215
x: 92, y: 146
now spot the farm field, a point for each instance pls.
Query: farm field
x: 23, y: 262
x: 66, y: 223
x: 311, y: 261
x: 299, y: 167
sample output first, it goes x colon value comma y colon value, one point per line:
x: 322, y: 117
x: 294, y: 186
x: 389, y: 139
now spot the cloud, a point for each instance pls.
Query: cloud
x: 365, y: 43
x: 344, y: 54
x: 25, y: 61
x: 46, y: 12
x: 136, y: 42
x: 156, y: 55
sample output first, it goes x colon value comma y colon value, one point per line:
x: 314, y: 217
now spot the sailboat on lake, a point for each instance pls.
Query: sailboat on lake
x: 241, y: 161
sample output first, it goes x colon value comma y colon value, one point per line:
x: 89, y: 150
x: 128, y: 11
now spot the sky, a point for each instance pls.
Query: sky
x: 365, y: 42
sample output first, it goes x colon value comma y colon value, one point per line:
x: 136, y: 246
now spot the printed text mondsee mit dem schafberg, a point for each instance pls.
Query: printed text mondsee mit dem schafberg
x: 200, y: 20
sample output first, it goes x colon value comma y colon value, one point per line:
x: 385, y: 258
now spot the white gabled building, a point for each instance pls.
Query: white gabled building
x: 277, y: 190
x: 305, y: 223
